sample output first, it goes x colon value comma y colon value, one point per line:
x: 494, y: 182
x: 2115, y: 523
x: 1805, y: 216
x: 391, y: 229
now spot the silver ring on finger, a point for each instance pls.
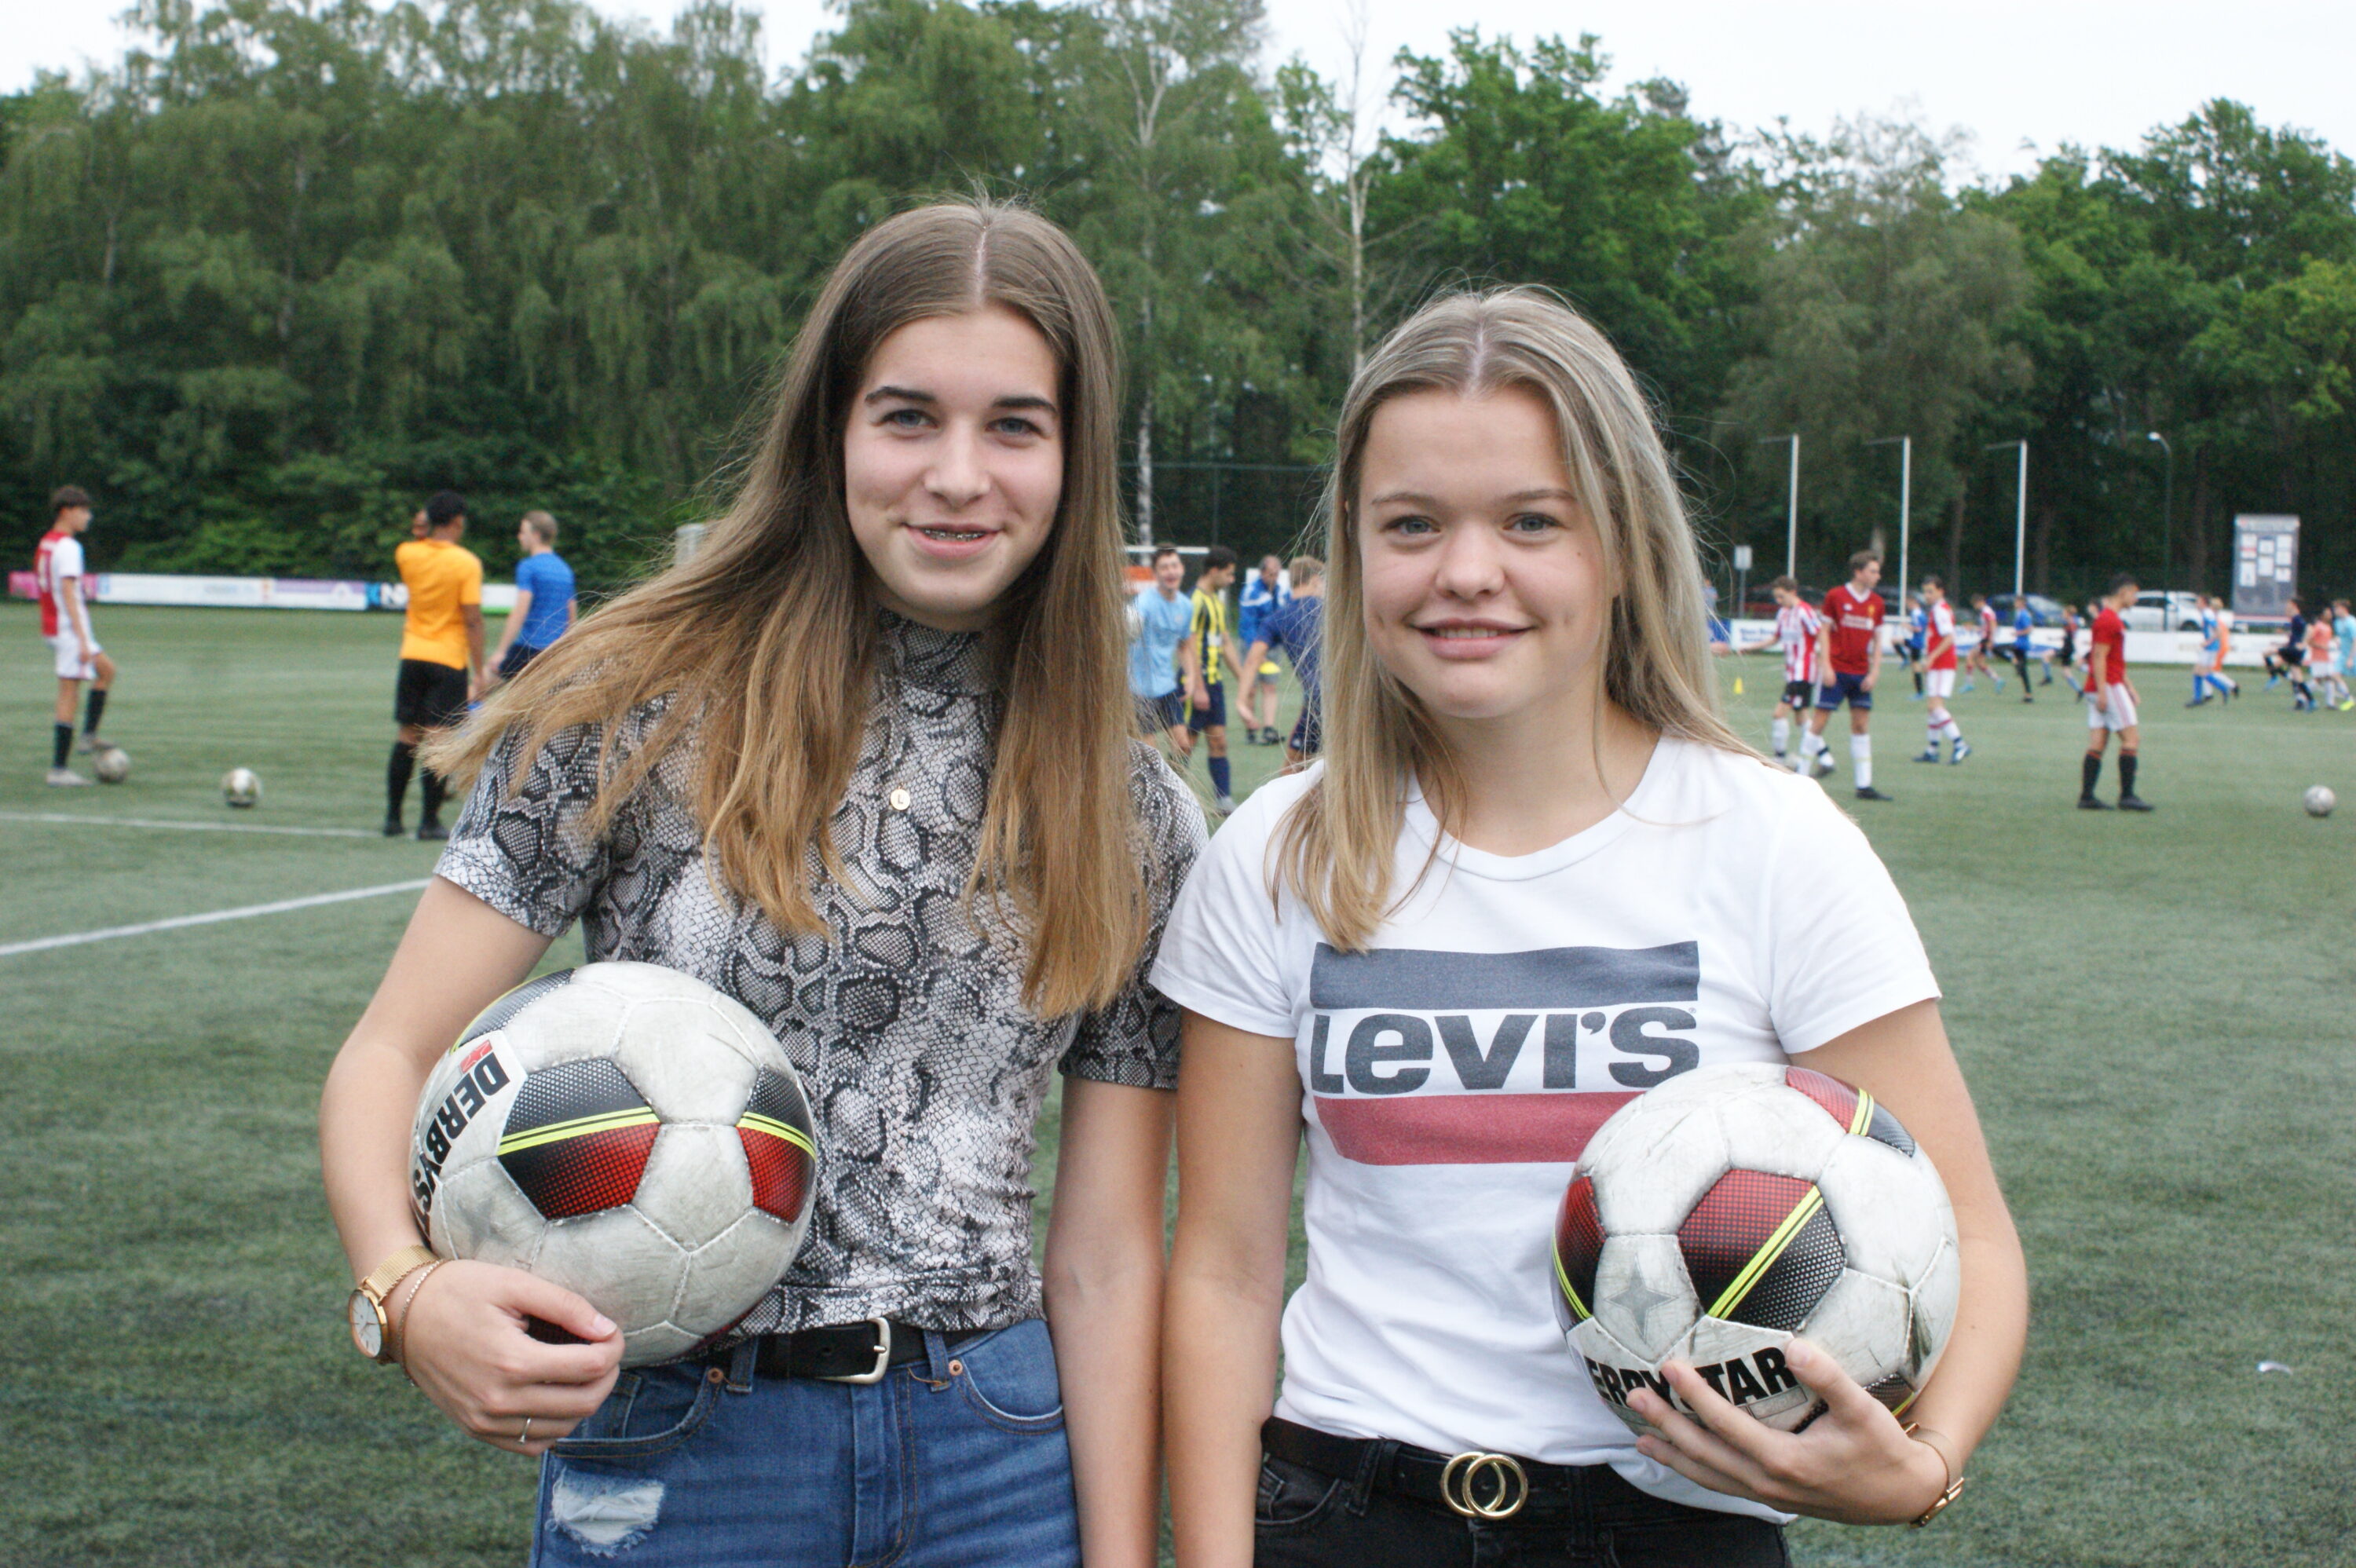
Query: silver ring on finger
x: 523, y: 1438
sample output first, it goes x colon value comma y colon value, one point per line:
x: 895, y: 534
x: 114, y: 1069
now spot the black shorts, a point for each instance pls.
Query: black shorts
x: 429, y: 696
x: 1798, y: 693
x: 1167, y: 712
x: 1215, y: 713
x: 517, y: 656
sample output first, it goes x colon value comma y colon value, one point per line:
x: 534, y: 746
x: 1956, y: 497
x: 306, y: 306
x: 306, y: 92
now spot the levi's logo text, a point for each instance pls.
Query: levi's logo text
x: 1418, y: 1057
x: 480, y: 1076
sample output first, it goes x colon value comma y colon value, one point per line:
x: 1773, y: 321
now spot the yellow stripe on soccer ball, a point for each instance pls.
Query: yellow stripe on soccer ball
x: 1568, y: 1293
x: 580, y: 1126
x: 1764, y: 1258
x: 775, y: 1129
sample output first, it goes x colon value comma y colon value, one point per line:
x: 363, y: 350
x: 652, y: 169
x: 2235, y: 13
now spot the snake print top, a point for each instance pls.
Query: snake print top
x: 924, y: 1071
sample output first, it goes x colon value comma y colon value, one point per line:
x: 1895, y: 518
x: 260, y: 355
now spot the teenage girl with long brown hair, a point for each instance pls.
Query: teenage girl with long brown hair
x: 1529, y: 805
x: 864, y: 763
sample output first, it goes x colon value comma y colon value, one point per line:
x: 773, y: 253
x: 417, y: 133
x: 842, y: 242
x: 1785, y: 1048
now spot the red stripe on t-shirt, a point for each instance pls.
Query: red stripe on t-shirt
x: 1465, y: 1129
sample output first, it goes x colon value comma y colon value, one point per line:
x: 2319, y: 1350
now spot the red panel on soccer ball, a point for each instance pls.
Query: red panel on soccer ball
x: 780, y: 1173
x: 1731, y: 1222
x: 1579, y: 1241
x: 1838, y: 1098
x: 585, y: 1174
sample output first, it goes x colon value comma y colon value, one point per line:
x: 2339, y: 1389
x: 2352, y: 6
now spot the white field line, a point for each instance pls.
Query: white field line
x: 283, y: 906
x: 71, y: 819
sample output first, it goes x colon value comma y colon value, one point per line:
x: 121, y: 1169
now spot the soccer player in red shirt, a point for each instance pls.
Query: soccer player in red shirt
x: 2111, y: 702
x: 1848, y: 660
x: 1939, y: 675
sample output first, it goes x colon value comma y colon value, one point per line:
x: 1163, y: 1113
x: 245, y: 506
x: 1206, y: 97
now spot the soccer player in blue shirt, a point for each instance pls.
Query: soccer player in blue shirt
x: 545, y: 602
x: 1296, y: 626
x: 1259, y: 598
x: 1159, y: 617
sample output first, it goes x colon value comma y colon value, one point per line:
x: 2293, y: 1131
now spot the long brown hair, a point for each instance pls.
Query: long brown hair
x: 1338, y: 844
x: 764, y: 643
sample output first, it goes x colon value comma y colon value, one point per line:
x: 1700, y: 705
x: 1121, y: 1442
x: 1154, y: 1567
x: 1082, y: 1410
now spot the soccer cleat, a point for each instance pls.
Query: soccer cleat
x: 1272, y: 737
x: 66, y: 778
x: 1825, y: 766
x: 1867, y: 792
x: 432, y: 832
x: 392, y: 828
x: 1226, y: 803
x: 2134, y: 803
x: 1930, y: 756
x: 2198, y: 702
x: 1962, y: 749
x: 2088, y: 803
x: 91, y: 743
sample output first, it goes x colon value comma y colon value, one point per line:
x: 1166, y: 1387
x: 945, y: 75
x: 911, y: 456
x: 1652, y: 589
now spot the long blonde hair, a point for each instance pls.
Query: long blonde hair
x: 765, y: 642
x: 1337, y: 846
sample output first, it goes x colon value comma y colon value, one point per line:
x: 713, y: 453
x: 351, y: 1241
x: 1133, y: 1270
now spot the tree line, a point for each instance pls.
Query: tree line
x: 289, y: 264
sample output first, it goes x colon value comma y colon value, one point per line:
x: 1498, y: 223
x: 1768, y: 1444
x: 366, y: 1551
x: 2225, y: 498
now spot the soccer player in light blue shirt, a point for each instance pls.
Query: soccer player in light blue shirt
x: 1159, y: 618
x: 545, y: 601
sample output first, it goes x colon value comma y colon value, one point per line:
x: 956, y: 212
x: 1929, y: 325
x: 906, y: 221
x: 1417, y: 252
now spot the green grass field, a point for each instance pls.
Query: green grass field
x: 2153, y: 1014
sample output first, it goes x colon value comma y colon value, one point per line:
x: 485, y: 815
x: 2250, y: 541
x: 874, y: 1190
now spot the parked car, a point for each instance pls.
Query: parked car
x: 2043, y: 612
x: 2169, y: 611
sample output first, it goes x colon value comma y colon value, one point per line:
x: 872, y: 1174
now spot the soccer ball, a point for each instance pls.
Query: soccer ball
x: 2320, y: 800
x: 113, y: 765
x: 1733, y: 1209
x: 625, y: 1132
x: 241, y: 788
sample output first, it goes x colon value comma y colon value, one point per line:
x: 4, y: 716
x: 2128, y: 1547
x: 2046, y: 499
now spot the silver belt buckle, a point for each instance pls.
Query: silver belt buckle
x: 882, y: 1356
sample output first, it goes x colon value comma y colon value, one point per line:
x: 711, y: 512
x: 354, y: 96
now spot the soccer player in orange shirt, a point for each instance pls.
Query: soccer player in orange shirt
x: 441, y: 653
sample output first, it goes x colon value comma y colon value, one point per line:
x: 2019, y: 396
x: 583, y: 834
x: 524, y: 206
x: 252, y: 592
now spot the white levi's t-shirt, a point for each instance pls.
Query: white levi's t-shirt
x: 1452, y: 1072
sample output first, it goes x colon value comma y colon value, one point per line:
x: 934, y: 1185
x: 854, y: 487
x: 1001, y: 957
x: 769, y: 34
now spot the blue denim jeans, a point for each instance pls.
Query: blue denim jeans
x: 955, y: 1461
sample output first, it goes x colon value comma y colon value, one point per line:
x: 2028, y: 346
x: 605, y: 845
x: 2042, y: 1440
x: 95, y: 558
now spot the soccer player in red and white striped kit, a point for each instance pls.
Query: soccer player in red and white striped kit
x: 1796, y: 625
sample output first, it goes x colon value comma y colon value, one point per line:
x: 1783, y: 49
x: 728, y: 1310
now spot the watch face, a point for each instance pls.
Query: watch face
x: 367, y: 1328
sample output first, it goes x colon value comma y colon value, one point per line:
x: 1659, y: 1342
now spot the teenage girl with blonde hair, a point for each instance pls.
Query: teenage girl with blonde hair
x: 864, y: 763
x: 1534, y: 874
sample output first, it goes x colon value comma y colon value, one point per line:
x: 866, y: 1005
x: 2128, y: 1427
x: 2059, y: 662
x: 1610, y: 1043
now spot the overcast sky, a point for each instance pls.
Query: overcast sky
x: 2022, y: 76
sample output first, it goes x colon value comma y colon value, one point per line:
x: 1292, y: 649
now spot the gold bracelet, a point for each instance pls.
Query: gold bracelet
x: 1946, y: 1467
x: 397, y: 1324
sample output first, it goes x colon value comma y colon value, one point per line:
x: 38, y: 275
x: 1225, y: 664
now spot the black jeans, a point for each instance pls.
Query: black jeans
x: 1307, y: 1520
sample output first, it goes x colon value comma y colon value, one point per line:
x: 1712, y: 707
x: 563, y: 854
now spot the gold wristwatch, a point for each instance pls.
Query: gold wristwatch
x: 371, y: 1329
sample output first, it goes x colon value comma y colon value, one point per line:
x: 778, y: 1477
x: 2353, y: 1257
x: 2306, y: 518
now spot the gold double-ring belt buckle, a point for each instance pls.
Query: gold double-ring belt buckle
x: 1460, y: 1485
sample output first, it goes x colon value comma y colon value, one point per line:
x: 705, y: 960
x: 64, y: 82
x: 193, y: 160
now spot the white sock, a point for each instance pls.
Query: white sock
x: 1810, y: 744
x: 1930, y: 735
x: 1860, y: 755
x: 1781, y: 729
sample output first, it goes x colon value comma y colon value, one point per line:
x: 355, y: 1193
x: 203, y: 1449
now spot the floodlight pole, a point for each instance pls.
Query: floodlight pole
x: 2020, y: 512
x: 2167, y: 509
x: 1905, y: 445
x: 1792, y: 509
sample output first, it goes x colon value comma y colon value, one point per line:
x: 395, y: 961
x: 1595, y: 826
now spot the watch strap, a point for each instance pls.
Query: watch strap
x: 393, y: 1270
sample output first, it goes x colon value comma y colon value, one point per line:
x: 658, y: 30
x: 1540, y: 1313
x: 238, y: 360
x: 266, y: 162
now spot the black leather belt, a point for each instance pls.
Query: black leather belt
x: 1474, y: 1484
x: 842, y: 1353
